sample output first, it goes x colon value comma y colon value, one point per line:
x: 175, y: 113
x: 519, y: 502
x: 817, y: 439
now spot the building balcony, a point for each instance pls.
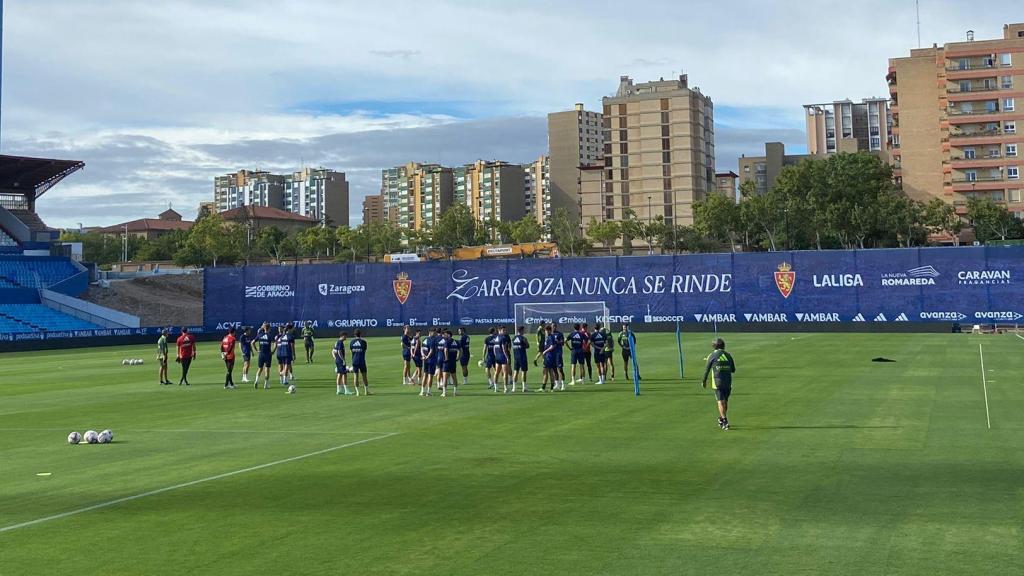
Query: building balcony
x: 979, y: 179
x: 961, y: 112
x: 975, y: 134
x: 980, y: 186
x: 983, y: 65
x: 973, y: 89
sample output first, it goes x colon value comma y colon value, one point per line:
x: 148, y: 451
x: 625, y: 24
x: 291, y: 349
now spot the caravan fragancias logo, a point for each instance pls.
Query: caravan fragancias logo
x: 785, y: 279
x: 403, y: 287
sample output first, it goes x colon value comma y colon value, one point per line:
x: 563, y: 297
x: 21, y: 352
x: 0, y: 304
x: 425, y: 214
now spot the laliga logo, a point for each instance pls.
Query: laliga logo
x: 403, y: 287
x: 785, y: 279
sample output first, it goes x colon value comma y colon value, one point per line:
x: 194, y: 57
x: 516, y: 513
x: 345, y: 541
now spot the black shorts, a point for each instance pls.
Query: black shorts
x: 264, y: 361
x: 308, y: 342
x: 722, y: 392
x: 577, y: 357
x: 464, y: 359
x: 520, y: 365
x: 625, y: 354
x: 449, y: 367
x: 417, y: 361
x: 246, y: 356
x: 360, y: 367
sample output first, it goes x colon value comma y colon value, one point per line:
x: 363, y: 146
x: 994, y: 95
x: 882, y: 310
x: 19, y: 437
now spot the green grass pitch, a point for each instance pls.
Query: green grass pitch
x: 834, y: 465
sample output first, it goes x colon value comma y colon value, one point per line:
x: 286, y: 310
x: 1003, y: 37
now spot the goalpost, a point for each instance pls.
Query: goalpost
x: 534, y: 313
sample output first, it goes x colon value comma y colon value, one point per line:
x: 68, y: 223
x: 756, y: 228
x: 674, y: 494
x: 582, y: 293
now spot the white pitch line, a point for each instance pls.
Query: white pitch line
x: 984, y: 386
x: 187, y: 484
x: 137, y: 431
x: 1019, y: 336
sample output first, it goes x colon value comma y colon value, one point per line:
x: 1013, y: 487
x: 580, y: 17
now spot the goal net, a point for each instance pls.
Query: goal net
x: 534, y: 313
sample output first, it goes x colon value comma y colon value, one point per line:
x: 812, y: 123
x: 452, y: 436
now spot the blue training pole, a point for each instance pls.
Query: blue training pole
x: 679, y: 345
x: 636, y: 366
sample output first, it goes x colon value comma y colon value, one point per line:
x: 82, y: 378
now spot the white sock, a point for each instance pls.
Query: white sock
x: 338, y: 387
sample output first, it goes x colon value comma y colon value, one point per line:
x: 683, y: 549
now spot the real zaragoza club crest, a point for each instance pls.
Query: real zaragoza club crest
x: 785, y: 279
x: 403, y: 287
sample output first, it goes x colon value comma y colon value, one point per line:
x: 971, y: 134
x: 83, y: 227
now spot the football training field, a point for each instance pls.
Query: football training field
x: 834, y: 465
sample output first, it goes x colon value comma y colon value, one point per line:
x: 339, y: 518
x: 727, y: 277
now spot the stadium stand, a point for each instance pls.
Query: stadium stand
x: 18, y: 272
x: 6, y: 239
x: 16, y: 318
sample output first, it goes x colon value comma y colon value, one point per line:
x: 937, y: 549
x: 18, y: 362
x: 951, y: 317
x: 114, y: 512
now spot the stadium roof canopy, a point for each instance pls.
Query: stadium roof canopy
x: 32, y: 177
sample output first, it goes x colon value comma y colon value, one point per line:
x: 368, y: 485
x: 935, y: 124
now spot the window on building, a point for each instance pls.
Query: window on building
x: 667, y: 197
x: 997, y: 196
x: 876, y: 142
x: 1008, y: 104
x: 1014, y: 195
x: 666, y: 158
x: 1013, y: 173
x: 609, y: 174
x: 623, y: 136
x: 965, y: 85
x: 666, y: 144
x: 664, y: 117
x: 625, y: 162
x: 609, y: 201
x: 971, y: 176
x: 609, y: 214
x: 664, y: 103
x: 746, y: 169
x: 622, y: 109
x: 666, y: 170
x: 624, y: 148
x: 1004, y: 60
x: 666, y: 184
x: 970, y: 154
x: 990, y: 106
x: 625, y: 173
x: 664, y: 131
x: 622, y: 124
x: 1006, y: 82
x: 1010, y: 127
x: 1011, y: 150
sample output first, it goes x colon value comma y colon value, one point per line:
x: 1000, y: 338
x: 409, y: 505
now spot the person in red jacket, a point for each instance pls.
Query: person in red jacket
x: 186, y: 354
x: 227, y: 352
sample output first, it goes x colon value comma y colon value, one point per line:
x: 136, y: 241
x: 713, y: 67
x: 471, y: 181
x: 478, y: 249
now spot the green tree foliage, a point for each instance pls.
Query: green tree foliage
x: 606, y: 233
x: 456, y: 227
x: 315, y: 242
x: 102, y: 249
x: 567, y: 233
x: 718, y: 217
x: 526, y: 229
x: 991, y: 221
x: 941, y: 218
x: 163, y: 247
x: 209, y: 242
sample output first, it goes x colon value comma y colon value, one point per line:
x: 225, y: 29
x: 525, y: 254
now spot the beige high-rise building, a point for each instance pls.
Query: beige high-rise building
x: 415, y: 195
x: 493, y: 190
x: 373, y: 209
x: 958, y: 115
x: 659, y: 151
x: 575, y: 138
x: 248, y: 188
x: 537, y: 189
x: 846, y: 126
x: 317, y: 193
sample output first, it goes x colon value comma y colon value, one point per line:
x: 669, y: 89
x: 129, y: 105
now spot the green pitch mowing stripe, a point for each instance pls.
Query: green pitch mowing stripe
x: 835, y: 465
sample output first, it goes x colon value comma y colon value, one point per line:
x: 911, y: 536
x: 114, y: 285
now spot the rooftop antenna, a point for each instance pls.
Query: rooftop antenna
x: 917, y: 9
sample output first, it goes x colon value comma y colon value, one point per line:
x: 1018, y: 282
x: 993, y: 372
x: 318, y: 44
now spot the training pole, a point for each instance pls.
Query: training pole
x: 679, y: 345
x: 636, y: 366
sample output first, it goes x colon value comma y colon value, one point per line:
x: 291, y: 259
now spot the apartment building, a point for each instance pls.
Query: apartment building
x: 847, y: 126
x: 763, y: 170
x: 726, y: 183
x: 415, y: 195
x: 373, y: 209
x: 537, y: 189
x: 317, y: 193
x: 493, y: 190
x: 575, y: 138
x: 659, y: 149
x: 958, y: 111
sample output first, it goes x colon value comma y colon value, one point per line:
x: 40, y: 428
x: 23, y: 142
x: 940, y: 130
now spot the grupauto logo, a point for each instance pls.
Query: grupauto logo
x: 269, y: 291
x: 920, y: 276
x: 984, y: 277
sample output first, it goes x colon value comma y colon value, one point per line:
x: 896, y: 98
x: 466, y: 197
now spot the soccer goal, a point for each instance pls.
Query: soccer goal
x: 533, y: 313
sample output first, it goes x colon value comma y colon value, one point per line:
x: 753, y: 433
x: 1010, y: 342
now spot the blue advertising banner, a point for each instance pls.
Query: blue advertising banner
x: 968, y: 284
x: 100, y: 333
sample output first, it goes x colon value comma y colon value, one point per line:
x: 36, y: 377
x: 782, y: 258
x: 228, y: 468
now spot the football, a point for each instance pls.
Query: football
x: 74, y: 438
x: 124, y: 362
x: 139, y: 361
x: 103, y: 437
x: 91, y: 437
x: 480, y: 363
x: 108, y: 433
x: 291, y: 388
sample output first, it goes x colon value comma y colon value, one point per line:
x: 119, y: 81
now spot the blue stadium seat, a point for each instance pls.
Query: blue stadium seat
x: 16, y: 318
x: 28, y: 272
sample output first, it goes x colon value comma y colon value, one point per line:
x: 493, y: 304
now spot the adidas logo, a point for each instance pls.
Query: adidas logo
x: 859, y: 318
x: 902, y: 318
x: 881, y: 318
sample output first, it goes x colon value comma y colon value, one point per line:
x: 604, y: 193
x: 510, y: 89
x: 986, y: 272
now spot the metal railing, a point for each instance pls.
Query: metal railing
x: 978, y: 134
x: 958, y: 90
x: 972, y: 112
x: 999, y: 178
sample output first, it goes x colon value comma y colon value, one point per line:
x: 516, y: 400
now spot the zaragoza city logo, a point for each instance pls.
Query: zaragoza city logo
x: 403, y: 287
x: 785, y: 279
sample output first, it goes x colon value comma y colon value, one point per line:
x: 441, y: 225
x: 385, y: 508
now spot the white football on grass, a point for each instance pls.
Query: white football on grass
x: 74, y: 438
x: 91, y: 437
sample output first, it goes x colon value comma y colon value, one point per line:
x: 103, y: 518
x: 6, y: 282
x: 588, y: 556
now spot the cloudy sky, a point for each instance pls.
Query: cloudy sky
x: 159, y: 97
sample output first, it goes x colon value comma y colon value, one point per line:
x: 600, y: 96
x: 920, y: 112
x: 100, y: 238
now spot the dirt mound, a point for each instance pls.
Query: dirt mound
x: 156, y: 300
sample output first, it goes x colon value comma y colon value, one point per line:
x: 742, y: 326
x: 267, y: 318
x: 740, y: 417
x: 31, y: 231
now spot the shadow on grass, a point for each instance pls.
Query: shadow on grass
x: 821, y: 427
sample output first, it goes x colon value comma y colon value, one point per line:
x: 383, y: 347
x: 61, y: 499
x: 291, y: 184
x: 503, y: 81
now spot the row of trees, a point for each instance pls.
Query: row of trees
x: 212, y: 241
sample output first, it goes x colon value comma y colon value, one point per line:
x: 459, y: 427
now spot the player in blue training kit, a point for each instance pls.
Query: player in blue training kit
x: 559, y: 356
x: 451, y: 363
x: 358, y: 348
x: 489, y: 358
x: 264, y: 342
x: 440, y: 359
x: 520, y: 345
x: 599, y: 344
x: 245, y: 343
x: 417, y: 358
x: 500, y: 349
x: 547, y: 350
x: 406, y: 356
x: 576, y: 342
x: 429, y: 362
x: 464, y: 355
x: 340, y: 369
x: 285, y: 349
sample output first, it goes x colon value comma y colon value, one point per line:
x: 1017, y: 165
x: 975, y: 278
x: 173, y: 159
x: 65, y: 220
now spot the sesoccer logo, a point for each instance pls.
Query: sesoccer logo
x: 785, y: 279
x: 403, y: 287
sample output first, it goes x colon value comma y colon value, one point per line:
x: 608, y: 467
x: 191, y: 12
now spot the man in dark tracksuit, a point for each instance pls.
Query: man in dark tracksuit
x: 721, y: 368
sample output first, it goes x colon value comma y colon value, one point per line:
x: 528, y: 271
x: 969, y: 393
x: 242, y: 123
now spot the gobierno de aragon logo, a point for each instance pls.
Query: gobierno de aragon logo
x: 269, y: 291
